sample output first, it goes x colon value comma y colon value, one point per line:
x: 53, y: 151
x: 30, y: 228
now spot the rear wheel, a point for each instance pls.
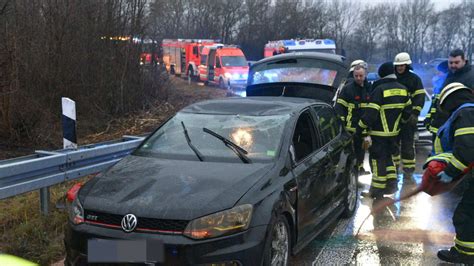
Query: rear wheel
x: 277, y: 246
x: 222, y: 84
x: 350, y: 203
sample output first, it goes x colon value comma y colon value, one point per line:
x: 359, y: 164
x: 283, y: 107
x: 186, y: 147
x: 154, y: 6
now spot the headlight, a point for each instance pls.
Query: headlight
x: 222, y: 223
x: 245, y: 76
x: 228, y: 75
x: 76, y: 212
x: 236, y: 76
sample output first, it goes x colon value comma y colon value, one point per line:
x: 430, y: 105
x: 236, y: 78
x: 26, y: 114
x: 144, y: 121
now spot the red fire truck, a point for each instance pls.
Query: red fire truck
x: 182, y: 56
x: 224, y: 65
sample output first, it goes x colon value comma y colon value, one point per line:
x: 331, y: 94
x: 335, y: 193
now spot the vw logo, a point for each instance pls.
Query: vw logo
x: 129, y: 222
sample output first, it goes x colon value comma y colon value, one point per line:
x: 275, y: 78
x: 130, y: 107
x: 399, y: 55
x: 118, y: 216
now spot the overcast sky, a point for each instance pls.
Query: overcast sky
x: 439, y: 4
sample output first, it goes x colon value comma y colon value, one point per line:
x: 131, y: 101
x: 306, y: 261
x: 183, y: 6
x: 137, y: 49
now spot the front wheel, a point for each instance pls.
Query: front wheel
x: 222, y: 84
x: 277, y: 246
x: 352, y: 193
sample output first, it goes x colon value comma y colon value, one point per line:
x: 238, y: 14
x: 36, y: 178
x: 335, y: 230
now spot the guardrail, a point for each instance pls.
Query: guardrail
x: 46, y: 168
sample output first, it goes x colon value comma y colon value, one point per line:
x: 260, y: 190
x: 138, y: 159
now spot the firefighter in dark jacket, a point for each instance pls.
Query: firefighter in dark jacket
x: 459, y: 71
x: 406, y: 137
x: 349, y: 106
x: 454, y: 145
x: 389, y: 104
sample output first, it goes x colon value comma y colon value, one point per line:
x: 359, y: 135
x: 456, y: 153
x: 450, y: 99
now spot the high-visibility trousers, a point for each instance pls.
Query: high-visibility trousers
x: 405, y: 148
x: 381, y: 164
x: 463, y: 220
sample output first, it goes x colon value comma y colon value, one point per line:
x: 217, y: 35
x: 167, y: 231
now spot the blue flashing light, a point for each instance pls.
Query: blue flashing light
x: 328, y: 41
x: 289, y: 43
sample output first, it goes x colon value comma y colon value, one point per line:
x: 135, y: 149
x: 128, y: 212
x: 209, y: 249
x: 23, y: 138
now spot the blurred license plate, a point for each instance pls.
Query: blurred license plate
x: 122, y: 251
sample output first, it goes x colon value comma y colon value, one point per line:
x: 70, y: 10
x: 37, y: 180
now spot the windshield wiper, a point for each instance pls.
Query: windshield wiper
x: 234, y: 147
x: 198, y: 154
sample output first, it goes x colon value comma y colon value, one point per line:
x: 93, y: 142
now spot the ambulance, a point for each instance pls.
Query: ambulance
x: 308, y: 45
x: 224, y: 65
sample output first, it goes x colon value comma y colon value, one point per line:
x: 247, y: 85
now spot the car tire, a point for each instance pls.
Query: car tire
x: 278, y: 243
x: 222, y: 84
x: 350, y: 202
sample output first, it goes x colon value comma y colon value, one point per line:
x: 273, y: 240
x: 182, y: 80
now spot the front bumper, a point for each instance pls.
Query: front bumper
x: 237, y: 83
x: 245, y: 248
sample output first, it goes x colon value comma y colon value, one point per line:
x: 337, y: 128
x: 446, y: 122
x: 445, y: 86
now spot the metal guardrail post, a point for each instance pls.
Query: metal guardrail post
x: 44, y: 200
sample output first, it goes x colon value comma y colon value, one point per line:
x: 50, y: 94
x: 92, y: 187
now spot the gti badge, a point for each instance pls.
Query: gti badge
x: 129, y: 222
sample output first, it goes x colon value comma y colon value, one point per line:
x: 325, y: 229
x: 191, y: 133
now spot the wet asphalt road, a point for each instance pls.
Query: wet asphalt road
x: 407, y: 233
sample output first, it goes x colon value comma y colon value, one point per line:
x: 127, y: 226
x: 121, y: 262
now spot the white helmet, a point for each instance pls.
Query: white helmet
x: 449, y: 89
x: 358, y: 62
x: 402, y: 59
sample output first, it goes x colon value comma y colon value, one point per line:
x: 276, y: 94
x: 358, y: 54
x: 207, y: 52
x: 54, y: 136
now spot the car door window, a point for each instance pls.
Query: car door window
x: 218, y: 62
x: 328, y: 124
x: 304, y: 137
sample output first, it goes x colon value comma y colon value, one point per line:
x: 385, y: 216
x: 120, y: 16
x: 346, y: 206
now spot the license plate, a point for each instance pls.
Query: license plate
x: 125, y: 251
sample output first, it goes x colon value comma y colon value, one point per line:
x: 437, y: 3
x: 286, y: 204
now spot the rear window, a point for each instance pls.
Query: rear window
x: 295, y: 70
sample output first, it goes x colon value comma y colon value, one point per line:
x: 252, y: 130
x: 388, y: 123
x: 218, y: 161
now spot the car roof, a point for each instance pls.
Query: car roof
x: 251, y: 106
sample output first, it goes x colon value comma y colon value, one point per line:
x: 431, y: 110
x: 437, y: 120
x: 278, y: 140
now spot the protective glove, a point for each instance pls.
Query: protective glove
x: 413, y: 120
x: 427, y: 122
x: 366, y: 143
x: 445, y: 178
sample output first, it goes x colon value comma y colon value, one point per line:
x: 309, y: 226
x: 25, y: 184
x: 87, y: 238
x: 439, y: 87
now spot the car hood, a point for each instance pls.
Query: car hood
x: 170, y: 189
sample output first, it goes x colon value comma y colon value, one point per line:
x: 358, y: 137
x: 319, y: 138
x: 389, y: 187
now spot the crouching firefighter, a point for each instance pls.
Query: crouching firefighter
x: 349, y: 107
x: 389, y: 104
x: 454, y: 145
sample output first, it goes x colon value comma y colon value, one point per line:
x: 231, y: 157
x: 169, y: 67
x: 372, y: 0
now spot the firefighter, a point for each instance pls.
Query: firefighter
x: 455, y: 145
x: 350, y: 76
x: 459, y: 71
x: 389, y: 103
x: 438, y: 81
x: 406, y: 138
x: 349, y: 105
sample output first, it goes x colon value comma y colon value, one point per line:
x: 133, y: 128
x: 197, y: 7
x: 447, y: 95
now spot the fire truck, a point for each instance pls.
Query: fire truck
x: 224, y: 65
x: 182, y: 56
x: 308, y: 45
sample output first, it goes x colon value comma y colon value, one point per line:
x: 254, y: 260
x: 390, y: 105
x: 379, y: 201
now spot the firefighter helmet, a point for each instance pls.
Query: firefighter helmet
x: 402, y: 59
x: 358, y: 62
x: 449, y: 89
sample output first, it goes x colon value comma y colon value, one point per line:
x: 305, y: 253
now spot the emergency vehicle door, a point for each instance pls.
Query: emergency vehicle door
x: 211, y: 61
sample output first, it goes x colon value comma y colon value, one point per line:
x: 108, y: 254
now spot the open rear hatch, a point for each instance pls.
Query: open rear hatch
x: 306, y: 75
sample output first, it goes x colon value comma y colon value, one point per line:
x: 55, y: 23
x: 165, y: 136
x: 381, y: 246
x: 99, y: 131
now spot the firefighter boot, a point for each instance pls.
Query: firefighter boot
x: 392, y: 186
x: 374, y: 193
x: 408, y: 174
x: 453, y: 256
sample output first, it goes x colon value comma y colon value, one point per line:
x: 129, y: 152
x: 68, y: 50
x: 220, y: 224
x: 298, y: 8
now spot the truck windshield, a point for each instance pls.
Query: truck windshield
x: 233, y: 61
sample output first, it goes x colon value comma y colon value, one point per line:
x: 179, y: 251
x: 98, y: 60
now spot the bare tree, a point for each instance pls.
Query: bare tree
x: 467, y: 30
x: 368, y: 31
x: 343, y: 15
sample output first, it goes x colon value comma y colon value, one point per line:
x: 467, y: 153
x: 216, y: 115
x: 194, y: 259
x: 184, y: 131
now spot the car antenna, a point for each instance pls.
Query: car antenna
x: 283, y: 91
